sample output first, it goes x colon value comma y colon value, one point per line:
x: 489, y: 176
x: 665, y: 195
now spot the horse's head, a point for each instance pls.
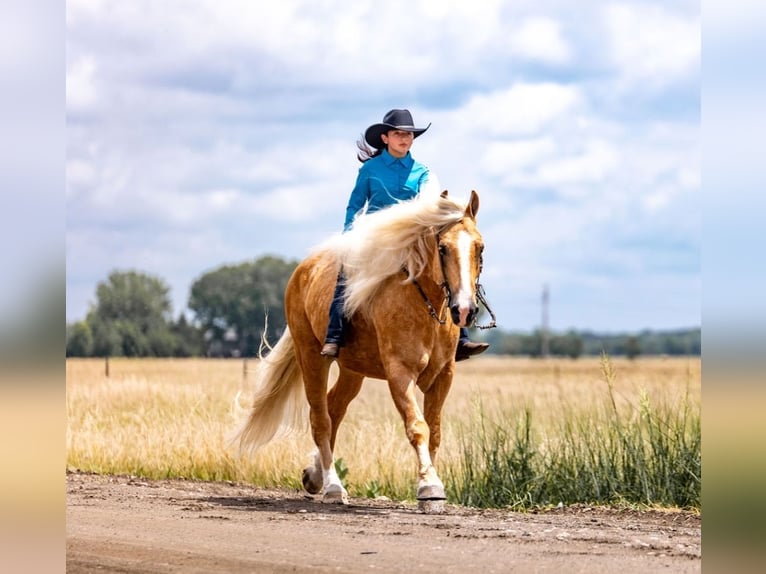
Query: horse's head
x: 460, y: 254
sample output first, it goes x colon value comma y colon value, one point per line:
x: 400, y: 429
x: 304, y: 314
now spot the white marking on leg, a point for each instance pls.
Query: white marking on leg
x: 429, y: 483
x: 333, y: 489
x: 330, y: 478
x: 427, y: 470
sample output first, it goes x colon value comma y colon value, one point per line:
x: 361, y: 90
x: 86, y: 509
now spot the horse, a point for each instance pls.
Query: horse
x: 406, y: 267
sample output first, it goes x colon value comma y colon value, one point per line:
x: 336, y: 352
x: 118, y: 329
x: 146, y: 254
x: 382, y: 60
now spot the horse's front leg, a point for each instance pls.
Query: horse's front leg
x: 402, y: 386
x: 433, y: 402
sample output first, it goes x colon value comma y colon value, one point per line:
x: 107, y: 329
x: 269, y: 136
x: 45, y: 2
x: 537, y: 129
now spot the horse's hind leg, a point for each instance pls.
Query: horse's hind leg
x: 315, y: 369
x: 346, y: 387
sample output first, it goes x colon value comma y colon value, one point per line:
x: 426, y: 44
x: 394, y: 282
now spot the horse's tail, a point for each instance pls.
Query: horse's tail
x: 279, y: 402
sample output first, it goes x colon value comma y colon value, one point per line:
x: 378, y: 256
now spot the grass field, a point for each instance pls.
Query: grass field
x: 516, y: 432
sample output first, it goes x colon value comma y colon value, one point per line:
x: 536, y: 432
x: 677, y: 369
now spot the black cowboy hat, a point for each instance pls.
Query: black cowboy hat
x: 393, y: 120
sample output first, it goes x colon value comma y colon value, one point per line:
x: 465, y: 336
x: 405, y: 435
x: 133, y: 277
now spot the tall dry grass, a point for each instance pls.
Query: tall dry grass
x: 173, y: 417
x: 623, y: 445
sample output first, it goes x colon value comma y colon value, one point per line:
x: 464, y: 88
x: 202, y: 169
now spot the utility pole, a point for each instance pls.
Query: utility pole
x: 544, y: 332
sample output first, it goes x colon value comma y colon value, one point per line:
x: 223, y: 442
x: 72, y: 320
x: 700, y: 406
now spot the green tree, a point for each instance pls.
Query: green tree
x: 232, y: 304
x: 106, y: 339
x: 532, y: 345
x: 632, y: 347
x: 79, y: 340
x: 567, y: 345
x: 131, y: 316
x: 189, y: 339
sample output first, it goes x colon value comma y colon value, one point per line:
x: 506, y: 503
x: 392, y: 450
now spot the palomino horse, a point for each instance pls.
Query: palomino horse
x: 406, y: 267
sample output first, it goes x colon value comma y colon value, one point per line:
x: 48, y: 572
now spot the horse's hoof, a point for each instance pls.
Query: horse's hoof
x: 335, y: 497
x: 431, y: 492
x: 431, y: 506
x: 431, y: 499
x: 310, y: 486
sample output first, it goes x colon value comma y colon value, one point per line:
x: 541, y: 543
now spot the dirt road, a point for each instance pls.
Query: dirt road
x: 123, y: 524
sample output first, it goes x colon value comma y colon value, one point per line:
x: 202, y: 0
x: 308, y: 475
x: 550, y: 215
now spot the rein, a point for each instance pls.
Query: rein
x: 482, y: 299
x: 480, y: 295
x: 429, y: 305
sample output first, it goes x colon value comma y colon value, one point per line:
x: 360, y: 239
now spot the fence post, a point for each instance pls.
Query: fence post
x: 106, y: 366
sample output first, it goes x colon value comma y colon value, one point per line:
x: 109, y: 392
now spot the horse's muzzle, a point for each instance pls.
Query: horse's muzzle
x: 463, y: 315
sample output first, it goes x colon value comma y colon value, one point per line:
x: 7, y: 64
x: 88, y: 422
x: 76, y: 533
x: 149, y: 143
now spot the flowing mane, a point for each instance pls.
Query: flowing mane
x: 382, y: 243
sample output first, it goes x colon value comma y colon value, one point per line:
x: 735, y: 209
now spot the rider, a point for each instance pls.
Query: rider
x: 388, y: 174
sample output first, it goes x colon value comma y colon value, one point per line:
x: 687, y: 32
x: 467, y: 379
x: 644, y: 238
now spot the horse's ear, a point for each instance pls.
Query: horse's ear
x: 473, y: 205
x: 444, y: 193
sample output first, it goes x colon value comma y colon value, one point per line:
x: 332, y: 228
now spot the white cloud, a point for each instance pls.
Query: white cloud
x: 297, y: 204
x: 80, y: 174
x: 540, y: 39
x: 541, y: 163
x: 299, y: 40
x: 81, y: 90
x: 78, y: 8
x: 513, y: 156
x: 522, y: 109
x: 689, y: 177
x: 202, y: 133
x: 592, y: 165
x: 651, y: 47
x: 657, y: 198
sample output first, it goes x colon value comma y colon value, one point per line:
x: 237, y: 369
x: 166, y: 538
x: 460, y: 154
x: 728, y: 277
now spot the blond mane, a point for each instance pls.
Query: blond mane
x: 381, y: 244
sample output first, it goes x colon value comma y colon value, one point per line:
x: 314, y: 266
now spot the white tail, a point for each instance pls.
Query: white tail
x: 279, y: 405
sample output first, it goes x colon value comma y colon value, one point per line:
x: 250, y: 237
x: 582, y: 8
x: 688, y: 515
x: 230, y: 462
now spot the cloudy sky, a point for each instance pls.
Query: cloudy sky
x: 210, y: 132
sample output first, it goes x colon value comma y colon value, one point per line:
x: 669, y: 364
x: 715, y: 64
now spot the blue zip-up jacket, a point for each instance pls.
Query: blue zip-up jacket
x: 384, y: 180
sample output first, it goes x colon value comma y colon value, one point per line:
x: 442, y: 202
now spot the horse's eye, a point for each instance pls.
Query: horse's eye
x: 442, y: 249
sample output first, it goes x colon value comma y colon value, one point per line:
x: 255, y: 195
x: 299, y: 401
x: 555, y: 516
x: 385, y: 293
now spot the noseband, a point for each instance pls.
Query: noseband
x: 445, y: 287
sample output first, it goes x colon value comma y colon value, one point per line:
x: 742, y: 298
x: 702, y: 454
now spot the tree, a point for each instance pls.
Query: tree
x: 79, y: 340
x: 233, y: 303
x: 131, y: 316
x: 568, y: 345
x: 632, y: 347
x: 532, y: 344
x: 189, y: 339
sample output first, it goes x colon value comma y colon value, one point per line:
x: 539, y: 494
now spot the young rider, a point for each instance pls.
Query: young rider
x: 388, y: 174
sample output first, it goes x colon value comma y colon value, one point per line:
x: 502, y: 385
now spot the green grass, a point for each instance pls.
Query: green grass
x: 648, y: 454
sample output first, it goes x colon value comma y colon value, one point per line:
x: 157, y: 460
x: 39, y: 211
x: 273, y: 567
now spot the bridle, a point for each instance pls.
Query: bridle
x: 445, y: 287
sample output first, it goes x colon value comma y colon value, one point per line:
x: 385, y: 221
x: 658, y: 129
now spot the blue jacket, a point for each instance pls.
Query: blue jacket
x: 384, y: 180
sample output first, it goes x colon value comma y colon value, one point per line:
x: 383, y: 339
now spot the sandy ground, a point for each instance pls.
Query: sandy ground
x: 129, y: 525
